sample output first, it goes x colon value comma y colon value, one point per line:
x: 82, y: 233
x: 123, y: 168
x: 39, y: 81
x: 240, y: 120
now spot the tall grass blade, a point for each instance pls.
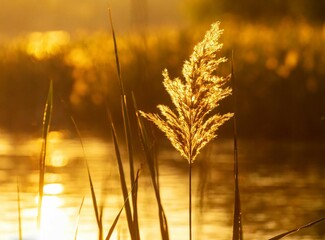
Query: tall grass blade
x: 78, y: 218
x: 127, y: 130
x: 128, y: 135
x: 94, y: 199
x: 123, y: 184
x: 237, y: 221
x: 46, y: 127
x: 110, y: 232
x: 117, y: 61
x: 153, y: 169
x: 19, y: 214
x: 280, y: 236
x: 92, y: 190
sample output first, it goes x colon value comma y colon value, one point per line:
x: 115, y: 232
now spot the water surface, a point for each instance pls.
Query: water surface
x: 282, y: 187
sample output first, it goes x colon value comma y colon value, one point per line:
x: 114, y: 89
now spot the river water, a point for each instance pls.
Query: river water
x: 282, y: 187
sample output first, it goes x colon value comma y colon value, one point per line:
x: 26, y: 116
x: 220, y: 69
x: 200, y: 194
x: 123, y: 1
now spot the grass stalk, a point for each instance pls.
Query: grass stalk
x: 282, y: 235
x: 128, y: 136
x: 190, y: 199
x: 135, y: 185
x: 98, y: 214
x: 46, y: 127
x: 152, y: 164
x: 237, y: 220
x: 123, y: 184
x: 127, y: 130
x: 94, y: 199
x: 78, y: 218
x: 117, y: 61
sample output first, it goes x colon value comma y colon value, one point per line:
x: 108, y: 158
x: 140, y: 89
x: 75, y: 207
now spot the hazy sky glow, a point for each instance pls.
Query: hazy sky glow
x: 21, y: 16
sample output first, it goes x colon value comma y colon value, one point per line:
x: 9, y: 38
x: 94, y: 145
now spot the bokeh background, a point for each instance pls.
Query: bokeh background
x: 278, y: 53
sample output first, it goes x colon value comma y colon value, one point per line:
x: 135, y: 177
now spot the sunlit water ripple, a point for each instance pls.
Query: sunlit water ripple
x: 282, y: 187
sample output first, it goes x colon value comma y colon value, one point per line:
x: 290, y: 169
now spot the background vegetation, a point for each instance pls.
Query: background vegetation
x: 279, y: 60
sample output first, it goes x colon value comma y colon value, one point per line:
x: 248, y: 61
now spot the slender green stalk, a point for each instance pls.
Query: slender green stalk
x: 46, y: 127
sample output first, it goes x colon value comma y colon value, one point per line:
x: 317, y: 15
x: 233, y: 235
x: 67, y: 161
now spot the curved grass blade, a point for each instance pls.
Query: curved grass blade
x: 237, y: 221
x: 129, y: 145
x: 153, y: 169
x: 46, y: 127
x: 77, y: 222
x: 98, y: 214
x: 110, y: 232
x: 123, y: 184
x: 127, y: 130
x: 94, y: 199
x: 280, y: 236
x: 117, y: 61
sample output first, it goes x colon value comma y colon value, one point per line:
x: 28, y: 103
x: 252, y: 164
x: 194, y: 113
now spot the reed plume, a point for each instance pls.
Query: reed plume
x: 193, y: 125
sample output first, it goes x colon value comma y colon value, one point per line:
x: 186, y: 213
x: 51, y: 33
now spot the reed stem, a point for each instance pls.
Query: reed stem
x: 190, y: 199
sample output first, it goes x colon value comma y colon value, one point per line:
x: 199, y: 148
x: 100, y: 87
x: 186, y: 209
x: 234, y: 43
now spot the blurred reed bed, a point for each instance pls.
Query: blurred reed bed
x: 285, y: 60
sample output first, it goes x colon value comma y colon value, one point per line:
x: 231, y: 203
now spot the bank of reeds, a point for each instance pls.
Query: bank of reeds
x: 286, y: 59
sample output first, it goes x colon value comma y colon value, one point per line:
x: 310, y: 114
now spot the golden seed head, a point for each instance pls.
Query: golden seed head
x: 192, y: 126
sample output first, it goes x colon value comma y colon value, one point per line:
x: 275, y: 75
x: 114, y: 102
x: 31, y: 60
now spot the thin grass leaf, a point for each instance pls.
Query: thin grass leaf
x: 46, y: 127
x: 78, y: 218
x: 153, y: 169
x: 117, y: 61
x: 20, y: 234
x: 280, y: 236
x: 127, y: 130
x: 111, y: 230
x: 128, y: 136
x: 98, y: 214
x: 94, y: 199
x: 237, y: 221
x: 123, y: 184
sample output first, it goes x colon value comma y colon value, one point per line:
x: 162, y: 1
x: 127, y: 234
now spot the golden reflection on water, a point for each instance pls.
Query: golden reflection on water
x: 53, y: 188
x: 55, y: 221
x: 66, y: 184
